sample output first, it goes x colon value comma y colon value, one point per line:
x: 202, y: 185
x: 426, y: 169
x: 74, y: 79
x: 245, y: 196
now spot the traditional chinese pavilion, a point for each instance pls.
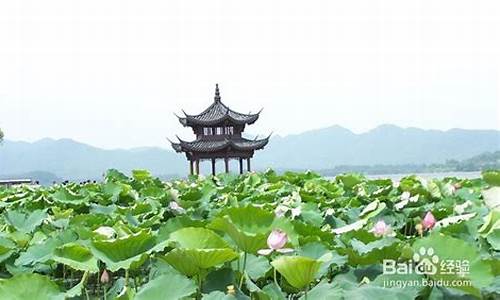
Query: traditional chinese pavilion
x: 218, y: 132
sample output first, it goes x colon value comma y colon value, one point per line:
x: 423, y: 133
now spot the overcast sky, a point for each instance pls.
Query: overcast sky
x: 112, y: 73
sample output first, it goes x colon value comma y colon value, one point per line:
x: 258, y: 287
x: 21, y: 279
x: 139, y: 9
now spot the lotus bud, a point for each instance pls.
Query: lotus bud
x: 429, y: 221
x: 104, y: 277
x: 419, y: 228
x: 231, y: 290
x: 277, y: 239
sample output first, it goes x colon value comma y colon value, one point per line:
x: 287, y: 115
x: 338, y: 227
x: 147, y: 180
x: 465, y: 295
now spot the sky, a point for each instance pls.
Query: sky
x: 113, y: 73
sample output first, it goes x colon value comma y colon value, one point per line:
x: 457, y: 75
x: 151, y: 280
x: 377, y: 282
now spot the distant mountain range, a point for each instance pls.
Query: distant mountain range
x: 316, y: 149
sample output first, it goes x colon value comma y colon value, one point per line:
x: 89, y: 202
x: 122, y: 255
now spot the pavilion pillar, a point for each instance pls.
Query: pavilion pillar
x: 191, y: 167
x: 197, y: 167
x: 241, y: 165
x: 213, y: 166
x: 226, y: 164
x: 248, y: 165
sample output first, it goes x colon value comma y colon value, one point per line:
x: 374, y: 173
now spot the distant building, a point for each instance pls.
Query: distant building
x: 218, y: 132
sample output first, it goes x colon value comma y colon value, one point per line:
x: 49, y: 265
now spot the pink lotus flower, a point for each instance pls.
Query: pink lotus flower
x: 276, y: 240
x: 381, y: 229
x: 104, y: 277
x: 429, y: 221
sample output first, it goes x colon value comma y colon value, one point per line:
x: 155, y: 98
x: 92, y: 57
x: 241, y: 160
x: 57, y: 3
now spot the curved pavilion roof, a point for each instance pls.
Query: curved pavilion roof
x: 218, y: 113
x: 218, y: 145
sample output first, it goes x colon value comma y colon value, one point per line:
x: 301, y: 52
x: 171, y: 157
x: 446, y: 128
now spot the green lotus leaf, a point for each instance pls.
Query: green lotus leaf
x: 65, y: 196
x: 218, y: 295
x: 43, y: 251
x: 167, y: 286
x: 29, y: 286
x: 491, y: 223
x: 321, y: 253
x: 350, y: 180
x: 115, y: 175
x: 492, y: 177
x: 191, y: 261
x: 256, y: 266
x: 77, y: 257
x: 141, y: 175
x: 7, y: 247
x: 127, y: 252
x: 325, y: 290
x: 446, y: 248
x: 491, y: 197
x: 77, y: 289
x: 26, y: 223
x: 299, y: 271
x: 197, y: 238
x: 494, y: 239
x: 197, y: 249
x: 247, y: 226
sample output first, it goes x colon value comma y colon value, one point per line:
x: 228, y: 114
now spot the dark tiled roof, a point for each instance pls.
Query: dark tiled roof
x: 217, y: 113
x: 212, y: 145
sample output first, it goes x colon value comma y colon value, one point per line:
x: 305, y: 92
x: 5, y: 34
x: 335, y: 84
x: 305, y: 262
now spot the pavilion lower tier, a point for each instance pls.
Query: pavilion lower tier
x: 194, y: 165
x: 194, y: 162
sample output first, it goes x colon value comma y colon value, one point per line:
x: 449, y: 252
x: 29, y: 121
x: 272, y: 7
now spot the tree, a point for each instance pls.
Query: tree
x: 1, y: 135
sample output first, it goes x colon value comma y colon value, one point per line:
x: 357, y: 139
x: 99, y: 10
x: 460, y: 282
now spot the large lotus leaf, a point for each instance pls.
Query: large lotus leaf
x: 247, y: 226
x: 65, y: 196
x: 77, y: 289
x: 7, y: 247
x: 115, y: 175
x: 361, y: 253
x: 299, y: 271
x: 127, y: 252
x: 325, y: 290
x: 191, y: 261
x: 26, y: 223
x: 197, y: 238
x: 256, y: 266
x: 29, y: 286
x: 43, y: 251
x: 492, y: 177
x: 198, y: 248
x: 491, y: 197
x: 218, y: 295
x: 491, y: 222
x: 141, y: 175
x: 167, y: 286
x: 446, y: 248
x: 350, y: 180
x: 77, y: 257
x: 321, y: 253
x: 177, y: 223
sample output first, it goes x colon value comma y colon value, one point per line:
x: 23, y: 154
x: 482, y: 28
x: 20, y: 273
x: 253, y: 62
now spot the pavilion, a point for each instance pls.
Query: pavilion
x: 218, y: 131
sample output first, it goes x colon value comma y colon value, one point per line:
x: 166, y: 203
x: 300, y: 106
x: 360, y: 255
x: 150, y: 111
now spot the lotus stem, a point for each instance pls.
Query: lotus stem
x: 126, y: 278
x: 200, y: 285
x: 244, y: 269
x: 305, y: 292
x: 275, y: 280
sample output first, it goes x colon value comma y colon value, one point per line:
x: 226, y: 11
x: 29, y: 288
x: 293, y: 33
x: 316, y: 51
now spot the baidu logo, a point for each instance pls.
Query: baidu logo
x: 426, y: 261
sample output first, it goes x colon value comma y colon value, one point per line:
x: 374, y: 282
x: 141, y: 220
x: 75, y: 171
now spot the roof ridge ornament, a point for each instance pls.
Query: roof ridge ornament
x: 217, y: 93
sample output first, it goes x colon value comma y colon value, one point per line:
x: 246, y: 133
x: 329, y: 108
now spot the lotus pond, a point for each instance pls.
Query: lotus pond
x: 255, y: 236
